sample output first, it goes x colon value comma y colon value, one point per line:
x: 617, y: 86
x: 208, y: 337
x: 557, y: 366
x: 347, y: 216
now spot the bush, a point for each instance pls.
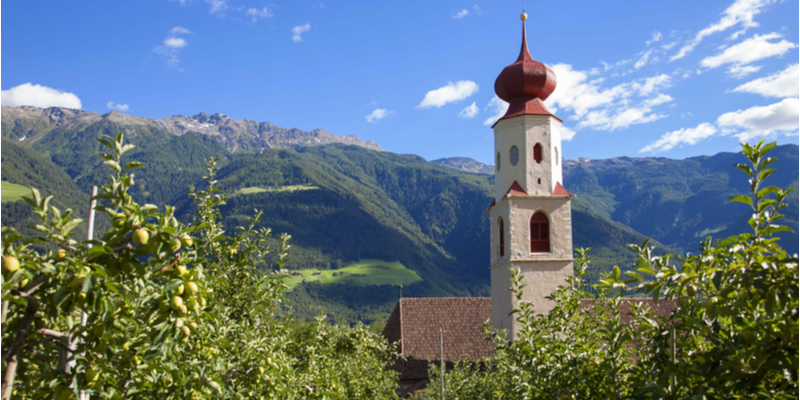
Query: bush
x: 156, y: 308
x: 733, y: 333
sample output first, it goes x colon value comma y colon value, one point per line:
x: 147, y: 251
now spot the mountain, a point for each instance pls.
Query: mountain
x: 344, y: 203
x: 30, y: 124
x: 465, y: 164
x: 679, y: 202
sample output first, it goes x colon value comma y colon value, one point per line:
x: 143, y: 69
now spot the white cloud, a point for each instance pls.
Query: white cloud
x: 740, y: 71
x: 658, y: 100
x: 38, y: 96
x: 754, y: 49
x: 318, y: 5
x: 611, y: 119
x: 741, y: 12
x: 180, y: 30
x: 469, y: 111
x: 643, y: 59
x: 256, y: 13
x: 297, y: 32
x: 669, y: 45
x: 762, y: 121
x: 477, y: 9
x: 175, y: 43
x: 652, y: 84
x: 780, y: 84
x: 448, y: 94
x: 656, y: 37
x: 182, y: 2
x: 378, y: 114
x: 498, y: 107
x: 217, y: 6
x: 683, y: 135
x: 567, y: 133
x: 121, y: 107
x: 461, y: 14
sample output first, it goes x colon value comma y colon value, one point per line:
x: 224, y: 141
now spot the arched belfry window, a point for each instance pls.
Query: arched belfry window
x: 537, y: 153
x: 540, y: 233
x: 501, y: 243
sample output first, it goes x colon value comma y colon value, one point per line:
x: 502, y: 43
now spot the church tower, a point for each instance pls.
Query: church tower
x: 531, y: 216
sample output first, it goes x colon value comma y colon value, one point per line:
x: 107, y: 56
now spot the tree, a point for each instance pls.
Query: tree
x: 155, y: 308
x: 733, y: 334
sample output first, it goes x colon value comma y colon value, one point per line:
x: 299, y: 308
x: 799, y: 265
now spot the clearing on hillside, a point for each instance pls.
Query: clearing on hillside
x: 291, y: 188
x: 363, y: 272
x: 13, y: 192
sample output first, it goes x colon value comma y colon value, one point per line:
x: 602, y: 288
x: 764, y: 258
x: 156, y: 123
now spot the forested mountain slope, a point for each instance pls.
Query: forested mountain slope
x: 364, y: 204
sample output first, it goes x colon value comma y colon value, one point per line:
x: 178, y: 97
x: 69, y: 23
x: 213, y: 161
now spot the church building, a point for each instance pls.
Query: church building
x: 531, y: 232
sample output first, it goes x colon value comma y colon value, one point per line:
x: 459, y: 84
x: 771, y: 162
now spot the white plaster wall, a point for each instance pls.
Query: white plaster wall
x: 558, y: 210
x: 524, y: 132
x: 501, y: 209
x: 502, y: 299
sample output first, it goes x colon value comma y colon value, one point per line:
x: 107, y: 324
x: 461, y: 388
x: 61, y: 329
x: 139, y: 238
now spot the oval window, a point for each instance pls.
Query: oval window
x: 514, y: 155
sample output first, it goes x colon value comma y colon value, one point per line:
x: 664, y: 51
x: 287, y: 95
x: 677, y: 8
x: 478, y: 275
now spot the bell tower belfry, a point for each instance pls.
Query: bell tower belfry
x: 531, y: 216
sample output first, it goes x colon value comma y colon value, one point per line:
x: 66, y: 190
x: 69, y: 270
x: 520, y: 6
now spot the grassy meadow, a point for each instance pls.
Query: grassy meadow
x: 363, y: 272
x: 291, y: 188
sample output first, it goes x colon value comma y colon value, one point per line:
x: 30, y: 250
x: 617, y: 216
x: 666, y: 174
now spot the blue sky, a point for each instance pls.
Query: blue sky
x: 638, y: 78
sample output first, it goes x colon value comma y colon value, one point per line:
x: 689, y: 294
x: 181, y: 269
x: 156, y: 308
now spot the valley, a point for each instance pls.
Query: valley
x: 345, y: 203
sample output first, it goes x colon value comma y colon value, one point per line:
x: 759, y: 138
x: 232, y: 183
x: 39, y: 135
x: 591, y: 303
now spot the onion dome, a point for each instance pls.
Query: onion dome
x: 526, y: 83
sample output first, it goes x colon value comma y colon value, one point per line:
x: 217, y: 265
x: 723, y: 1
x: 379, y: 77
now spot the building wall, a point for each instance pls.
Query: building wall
x: 524, y: 132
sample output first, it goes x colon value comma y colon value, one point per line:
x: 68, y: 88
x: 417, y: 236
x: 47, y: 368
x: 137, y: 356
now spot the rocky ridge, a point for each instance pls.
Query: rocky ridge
x: 29, y: 123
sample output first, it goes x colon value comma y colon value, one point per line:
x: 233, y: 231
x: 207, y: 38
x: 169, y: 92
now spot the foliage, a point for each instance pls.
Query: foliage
x: 171, y: 310
x: 733, y: 333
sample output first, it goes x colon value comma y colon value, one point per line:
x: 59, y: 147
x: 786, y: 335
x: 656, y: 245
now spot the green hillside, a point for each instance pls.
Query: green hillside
x: 343, y: 204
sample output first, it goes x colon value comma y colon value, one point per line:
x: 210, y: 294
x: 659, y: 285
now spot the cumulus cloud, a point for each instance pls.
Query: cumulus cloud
x: 469, y: 111
x: 217, y: 6
x: 656, y: 37
x: 461, y: 14
x: 751, y: 50
x: 740, y: 71
x: 172, y: 46
x: 175, y: 43
x: 567, y: 133
x: 377, y: 114
x: 741, y: 13
x: 448, y: 94
x: 255, y: 13
x: 643, y: 59
x: 113, y: 106
x: 681, y: 136
x: 760, y: 121
x: 28, y: 94
x: 297, y: 32
x: 780, y: 84
x: 498, y: 107
x: 180, y: 30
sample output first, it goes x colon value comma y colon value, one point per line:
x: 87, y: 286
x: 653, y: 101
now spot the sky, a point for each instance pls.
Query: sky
x: 672, y: 79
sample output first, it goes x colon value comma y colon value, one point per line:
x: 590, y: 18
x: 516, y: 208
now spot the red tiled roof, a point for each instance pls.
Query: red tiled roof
x: 416, y: 323
x: 516, y: 189
x: 560, y: 191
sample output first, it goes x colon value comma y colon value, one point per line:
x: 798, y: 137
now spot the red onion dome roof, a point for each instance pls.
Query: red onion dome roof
x: 526, y: 77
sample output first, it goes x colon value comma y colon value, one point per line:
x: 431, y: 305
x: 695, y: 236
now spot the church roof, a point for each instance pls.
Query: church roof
x: 525, y: 83
x: 560, y: 191
x: 516, y: 190
x: 416, y: 322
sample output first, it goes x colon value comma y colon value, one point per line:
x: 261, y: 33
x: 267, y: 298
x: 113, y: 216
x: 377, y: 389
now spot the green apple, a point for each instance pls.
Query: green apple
x: 140, y: 237
x: 10, y: 264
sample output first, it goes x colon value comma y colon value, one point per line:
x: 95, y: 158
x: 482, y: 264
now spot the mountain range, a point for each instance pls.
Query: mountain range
x: 371, y: 204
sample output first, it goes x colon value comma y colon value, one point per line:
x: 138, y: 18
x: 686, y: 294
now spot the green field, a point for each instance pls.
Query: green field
x: 363, y: 272
x: 291, y: 188
x: 14, y: 192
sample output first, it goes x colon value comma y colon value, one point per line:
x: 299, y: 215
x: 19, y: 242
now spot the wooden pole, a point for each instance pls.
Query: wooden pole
x: 89, y: 237
x: 441, y: 356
